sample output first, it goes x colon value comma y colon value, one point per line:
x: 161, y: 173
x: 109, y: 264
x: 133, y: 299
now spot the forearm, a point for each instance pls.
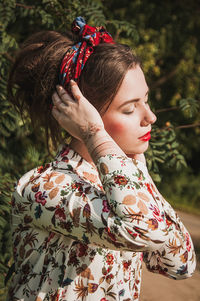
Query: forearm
x: 100, y: 143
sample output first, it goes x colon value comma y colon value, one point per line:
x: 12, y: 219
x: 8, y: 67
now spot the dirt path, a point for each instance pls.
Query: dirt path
x: 159, y: 288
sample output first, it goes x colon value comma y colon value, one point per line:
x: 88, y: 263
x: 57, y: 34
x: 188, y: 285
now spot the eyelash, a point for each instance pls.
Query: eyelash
x: 127, y: 113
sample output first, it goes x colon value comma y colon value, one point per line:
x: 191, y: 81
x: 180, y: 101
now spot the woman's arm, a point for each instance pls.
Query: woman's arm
x: 179, y: 249
x: 137, y: 219
x: 80, y: 118
x: 120, y: 217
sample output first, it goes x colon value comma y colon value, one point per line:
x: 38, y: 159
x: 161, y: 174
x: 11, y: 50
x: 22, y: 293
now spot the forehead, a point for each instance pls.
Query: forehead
x: 133, y: 86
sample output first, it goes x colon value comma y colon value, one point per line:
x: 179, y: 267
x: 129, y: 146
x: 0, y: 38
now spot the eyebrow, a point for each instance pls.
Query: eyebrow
x: 132, y: 100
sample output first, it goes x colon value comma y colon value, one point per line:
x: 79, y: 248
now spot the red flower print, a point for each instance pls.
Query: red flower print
x: 51, y: 235
x: 66, y: 160
x: 109, y: 278
x: 73, y: 260
x: 188, y: 244
x: 60, y: 213
x: 41, y: 169
x: 126, y: 264
x: 40, y: 197
x: 78, y: 186
x: 106, y: 207
x: 156, y: 213
x: 64, y: 151
x: 73, y: 185
x: 122, y: 163
x: 106, y: 271
x: 82, y: 251
x: 104, y: 299
x: 109, y: 259
x: 149, y: 188
x: 134, y: 235
x: 100, y: 187
x: 121, y: 180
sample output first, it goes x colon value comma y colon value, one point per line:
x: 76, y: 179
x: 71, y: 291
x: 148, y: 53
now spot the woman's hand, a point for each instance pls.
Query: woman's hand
x: 77, y: 116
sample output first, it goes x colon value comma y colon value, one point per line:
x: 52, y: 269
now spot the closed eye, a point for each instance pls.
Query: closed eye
x: 130, y: 109
x: 127, y: 113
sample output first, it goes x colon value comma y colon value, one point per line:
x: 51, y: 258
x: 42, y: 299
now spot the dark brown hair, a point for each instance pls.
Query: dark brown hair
x: 34, y: 75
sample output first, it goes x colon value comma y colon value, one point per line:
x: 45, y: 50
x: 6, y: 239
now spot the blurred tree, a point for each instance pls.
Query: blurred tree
x: 165, y: 35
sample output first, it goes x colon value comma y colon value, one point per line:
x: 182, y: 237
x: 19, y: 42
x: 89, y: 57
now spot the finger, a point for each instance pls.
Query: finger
x: 58, y: 102
x: 59, y: 116
x: 55, y: 112
x: 56, y: 99
x: 75, y: 90
x: 63, y: 95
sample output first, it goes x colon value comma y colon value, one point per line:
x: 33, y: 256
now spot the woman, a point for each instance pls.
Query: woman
x: 83, y: 223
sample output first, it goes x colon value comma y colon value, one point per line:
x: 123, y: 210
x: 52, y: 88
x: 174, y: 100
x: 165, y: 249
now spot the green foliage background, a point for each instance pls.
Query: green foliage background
x: 165, y: 34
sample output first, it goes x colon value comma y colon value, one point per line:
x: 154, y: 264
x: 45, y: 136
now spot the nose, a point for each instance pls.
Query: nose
x: 148, y: 118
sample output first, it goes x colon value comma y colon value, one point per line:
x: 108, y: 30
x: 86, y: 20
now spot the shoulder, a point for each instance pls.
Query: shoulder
x: 45, y: 177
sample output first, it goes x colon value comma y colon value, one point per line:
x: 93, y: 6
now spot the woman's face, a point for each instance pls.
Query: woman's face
x: 129, y: 118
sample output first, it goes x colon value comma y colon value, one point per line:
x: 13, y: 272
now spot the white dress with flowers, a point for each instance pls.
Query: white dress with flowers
x: 80, y: 232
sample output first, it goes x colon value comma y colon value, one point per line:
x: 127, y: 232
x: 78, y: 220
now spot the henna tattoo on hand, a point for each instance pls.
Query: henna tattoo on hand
x: 90, y: 130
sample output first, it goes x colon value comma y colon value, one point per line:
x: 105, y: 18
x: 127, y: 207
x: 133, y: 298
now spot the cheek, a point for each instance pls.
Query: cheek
x: 116, y: 128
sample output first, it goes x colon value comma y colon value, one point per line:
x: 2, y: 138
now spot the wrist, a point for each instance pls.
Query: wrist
x: 101, y: 144
x: 94, y: 139
x: 90, y: 131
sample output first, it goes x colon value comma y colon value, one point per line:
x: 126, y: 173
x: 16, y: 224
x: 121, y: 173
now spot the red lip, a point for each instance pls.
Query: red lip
x: 146, y: 137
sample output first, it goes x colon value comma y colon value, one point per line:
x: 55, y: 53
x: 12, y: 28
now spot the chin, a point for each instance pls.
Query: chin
x: 137, y: 151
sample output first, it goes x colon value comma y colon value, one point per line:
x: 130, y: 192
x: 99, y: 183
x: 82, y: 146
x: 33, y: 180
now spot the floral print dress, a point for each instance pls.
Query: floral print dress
x: 81, y: 232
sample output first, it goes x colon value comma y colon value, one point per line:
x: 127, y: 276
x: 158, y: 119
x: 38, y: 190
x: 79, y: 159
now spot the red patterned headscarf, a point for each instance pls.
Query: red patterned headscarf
x: 76, y: 57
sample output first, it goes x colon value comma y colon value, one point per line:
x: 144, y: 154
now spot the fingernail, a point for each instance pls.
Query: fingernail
x: 59, y: 87
x: 72, y: 82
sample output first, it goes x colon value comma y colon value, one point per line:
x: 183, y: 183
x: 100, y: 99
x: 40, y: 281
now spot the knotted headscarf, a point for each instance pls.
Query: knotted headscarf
x: 76, y: 57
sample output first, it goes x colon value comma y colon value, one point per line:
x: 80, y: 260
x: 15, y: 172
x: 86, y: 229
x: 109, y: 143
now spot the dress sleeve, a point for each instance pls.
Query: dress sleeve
x: 176, y: 259
x: 126, y: 215
x: 170, y: 251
